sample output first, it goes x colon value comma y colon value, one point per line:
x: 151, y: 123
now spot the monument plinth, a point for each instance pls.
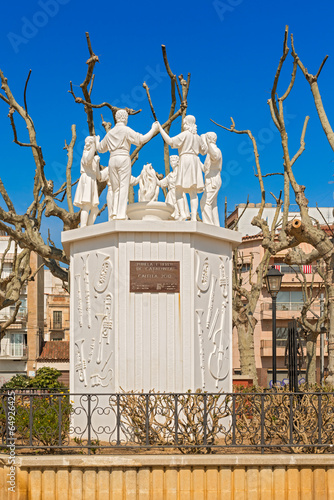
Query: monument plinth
x: 151, y: 306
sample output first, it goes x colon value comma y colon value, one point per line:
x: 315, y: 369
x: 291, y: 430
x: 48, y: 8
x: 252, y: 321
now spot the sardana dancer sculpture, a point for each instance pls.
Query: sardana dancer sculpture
x: 118, y: 142
x: 86, y: 195
x: 212, y: 168
x: 189, y: 176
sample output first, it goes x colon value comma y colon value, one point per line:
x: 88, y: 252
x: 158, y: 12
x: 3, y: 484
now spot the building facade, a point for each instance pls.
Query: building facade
x: 290, y: 299
x: 22, y: 342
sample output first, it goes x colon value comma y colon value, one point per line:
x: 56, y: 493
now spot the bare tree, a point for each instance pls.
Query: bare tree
x: 302, y: 230
x: 311, y: 322
x: 245, y: 299
x: 25, y: 228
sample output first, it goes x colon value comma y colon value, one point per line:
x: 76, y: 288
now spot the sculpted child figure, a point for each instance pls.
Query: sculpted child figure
x: 189, y: 177
x: 169, y: 182
x: 86, y: 195
x: 212, y: 168
x: 118, y: 142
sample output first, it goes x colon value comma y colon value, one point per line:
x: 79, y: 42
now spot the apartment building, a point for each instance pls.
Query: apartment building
x: 22, y: 342
x: 289, y: 299
x: 56, y: 346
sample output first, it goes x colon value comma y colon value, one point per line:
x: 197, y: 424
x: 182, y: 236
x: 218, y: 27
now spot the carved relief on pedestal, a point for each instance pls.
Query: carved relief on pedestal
x: 106, y: 324
x: 219, y: 358
x: 219, y: 364
x: 104, y: 269
x: 96, y: 379
x: 79, y: 298
x: 94, y: 314
x: 199, y: 313
x: 212, y: 313
x: 81, y: 366
x: 211, y: 300
x: 87, y: 289
x: 107, y: 361
x: 223, y: 276
x: 213, y: 324
x: 203, y: 273
x: 91, y: 350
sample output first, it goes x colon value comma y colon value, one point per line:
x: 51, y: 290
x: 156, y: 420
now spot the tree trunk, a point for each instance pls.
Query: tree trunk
x: 311, y: 359
x: 330, y: 378
x: 246, y: 351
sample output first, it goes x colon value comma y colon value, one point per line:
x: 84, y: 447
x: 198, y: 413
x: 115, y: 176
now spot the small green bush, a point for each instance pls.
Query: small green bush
x: 49, y: 413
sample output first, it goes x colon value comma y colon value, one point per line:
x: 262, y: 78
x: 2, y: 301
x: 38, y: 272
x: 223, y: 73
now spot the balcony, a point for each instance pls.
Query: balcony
x: 266, y: 347
x: 20, y: 317
x: 14, y: 351
x: 284, y: 309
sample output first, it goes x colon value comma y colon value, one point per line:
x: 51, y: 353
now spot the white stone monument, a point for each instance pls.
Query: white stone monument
x: 151, y: 306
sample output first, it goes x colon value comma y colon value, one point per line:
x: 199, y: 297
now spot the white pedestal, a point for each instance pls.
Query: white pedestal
x: 141, y: 341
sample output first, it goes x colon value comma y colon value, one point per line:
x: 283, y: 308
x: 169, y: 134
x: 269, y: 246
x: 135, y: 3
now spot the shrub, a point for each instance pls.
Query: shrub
x: 49, y: 413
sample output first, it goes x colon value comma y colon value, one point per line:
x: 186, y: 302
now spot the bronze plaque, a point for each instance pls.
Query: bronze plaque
x: 154, y: 276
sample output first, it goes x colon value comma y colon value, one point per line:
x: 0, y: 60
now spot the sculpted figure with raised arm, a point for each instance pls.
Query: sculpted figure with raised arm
x: 189, y: 177
x: 212, y: 168
x: 118, y: 142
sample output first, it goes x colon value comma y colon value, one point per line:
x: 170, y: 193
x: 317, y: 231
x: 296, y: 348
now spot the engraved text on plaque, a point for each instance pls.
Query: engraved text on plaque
x: 155, y: 276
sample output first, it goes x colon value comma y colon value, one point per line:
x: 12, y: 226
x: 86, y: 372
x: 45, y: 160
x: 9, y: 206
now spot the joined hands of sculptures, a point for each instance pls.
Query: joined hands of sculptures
x: 186, y: 175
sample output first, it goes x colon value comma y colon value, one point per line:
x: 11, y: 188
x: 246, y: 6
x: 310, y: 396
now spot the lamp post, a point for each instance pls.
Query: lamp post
x: 273, y: 281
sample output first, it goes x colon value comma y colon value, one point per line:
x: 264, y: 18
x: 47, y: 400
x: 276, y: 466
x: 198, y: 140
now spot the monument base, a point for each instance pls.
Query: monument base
x: 137, y: 326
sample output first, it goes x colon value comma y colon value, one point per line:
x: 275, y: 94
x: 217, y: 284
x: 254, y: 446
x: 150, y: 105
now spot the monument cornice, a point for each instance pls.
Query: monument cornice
x: 144, y: 226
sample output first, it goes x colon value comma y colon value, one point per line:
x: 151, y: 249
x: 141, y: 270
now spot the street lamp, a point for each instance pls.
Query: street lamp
x: 273, y: 281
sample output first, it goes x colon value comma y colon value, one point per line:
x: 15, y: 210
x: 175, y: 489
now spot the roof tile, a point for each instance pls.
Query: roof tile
x: 55, y: 350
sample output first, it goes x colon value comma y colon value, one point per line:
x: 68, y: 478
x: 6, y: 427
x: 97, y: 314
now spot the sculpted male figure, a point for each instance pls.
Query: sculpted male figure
x: 212, y: 168
x: 118, y: 142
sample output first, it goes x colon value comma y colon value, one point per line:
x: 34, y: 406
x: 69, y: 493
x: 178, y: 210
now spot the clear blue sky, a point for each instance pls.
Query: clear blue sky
x: 230, y: 47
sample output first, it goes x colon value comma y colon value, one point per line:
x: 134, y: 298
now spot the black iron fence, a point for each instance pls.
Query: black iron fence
x: 188, y: 423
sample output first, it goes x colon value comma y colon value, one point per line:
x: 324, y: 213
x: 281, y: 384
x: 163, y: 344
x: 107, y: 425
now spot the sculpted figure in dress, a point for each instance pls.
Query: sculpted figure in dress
x: 189, y: 177
x: 118, y: 142
x: 86, y: 195
x: 212, y: 168
x: 169, y: 182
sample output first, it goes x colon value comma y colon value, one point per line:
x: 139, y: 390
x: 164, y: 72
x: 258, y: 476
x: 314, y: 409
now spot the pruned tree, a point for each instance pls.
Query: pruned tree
x: 303, y: 230
x: 312, y: 323
x: 245, y: 299
x: 45, y: 200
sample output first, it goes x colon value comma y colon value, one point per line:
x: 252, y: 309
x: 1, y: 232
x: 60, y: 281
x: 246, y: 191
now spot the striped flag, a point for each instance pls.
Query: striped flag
x: 307, y: 269
x: 278, y: 267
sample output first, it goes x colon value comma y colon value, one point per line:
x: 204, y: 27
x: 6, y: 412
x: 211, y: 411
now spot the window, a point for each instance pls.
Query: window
x: 7, y: 269
x: 16, y: 344
x: 282, y: 332
x: 57, y: 320
x: 290, y: 301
